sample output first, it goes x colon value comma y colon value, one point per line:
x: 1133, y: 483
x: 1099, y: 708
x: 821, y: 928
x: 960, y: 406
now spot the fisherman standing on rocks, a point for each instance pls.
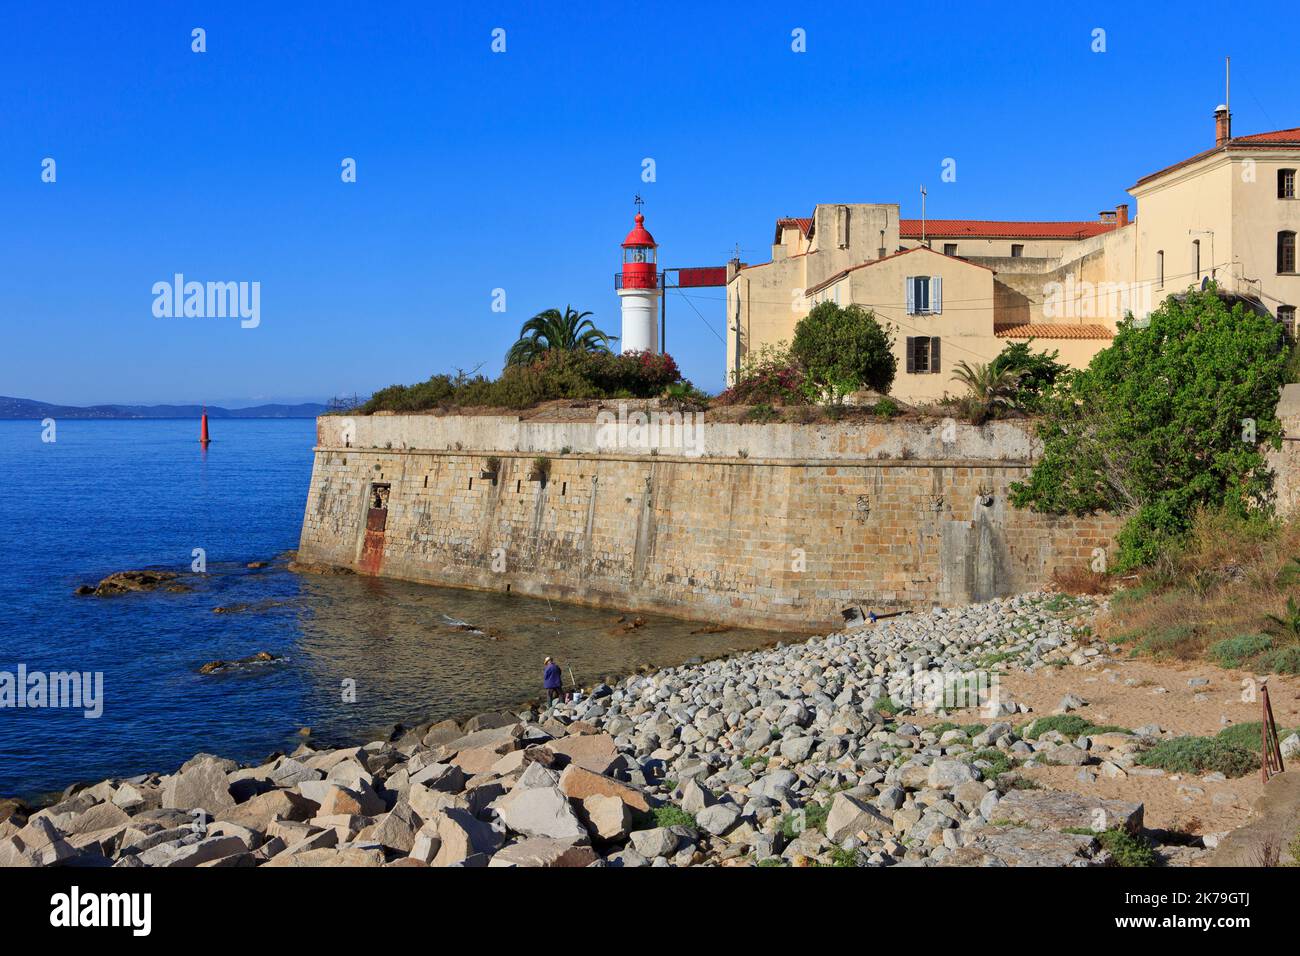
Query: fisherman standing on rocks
x: 551, y: 680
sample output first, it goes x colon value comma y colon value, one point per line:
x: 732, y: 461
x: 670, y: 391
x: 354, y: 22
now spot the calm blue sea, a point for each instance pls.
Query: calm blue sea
x: 116, y: 495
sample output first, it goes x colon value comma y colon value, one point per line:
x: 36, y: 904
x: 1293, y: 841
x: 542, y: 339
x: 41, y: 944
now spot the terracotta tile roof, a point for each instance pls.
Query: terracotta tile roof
x: 906, y: 252
x: 1276, y: 136
x: 1276, y: 139
x: 999, y: 229
x: 1048, y: 331
x: 804, y: 225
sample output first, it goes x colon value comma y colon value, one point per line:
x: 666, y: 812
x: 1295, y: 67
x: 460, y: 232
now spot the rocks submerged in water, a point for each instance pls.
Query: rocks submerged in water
x: 218, y: 667
x: 125, y: 582
x: 801, y: 754
x: 241, y: 607
x: 312, y: 567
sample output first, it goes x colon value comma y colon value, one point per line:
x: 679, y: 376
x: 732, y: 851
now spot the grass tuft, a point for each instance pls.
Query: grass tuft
x: 1200, y: 755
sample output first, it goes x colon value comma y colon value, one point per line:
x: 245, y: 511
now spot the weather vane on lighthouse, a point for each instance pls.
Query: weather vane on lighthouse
x: 638, y: 287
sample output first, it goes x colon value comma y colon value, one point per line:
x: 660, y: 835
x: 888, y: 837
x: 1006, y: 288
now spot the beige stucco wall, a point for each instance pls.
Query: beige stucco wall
x: 968, y: 246
x: 771, y: 301
x: 1234, y: 195
x: 964, y: 327
x: 1227, y: 201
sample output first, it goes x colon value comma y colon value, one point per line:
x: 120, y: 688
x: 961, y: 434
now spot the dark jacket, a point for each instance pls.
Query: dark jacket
x: 551, y: 677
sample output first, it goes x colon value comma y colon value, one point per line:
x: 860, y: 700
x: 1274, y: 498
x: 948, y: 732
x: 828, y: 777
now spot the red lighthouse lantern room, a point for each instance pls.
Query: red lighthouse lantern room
x: 639, y: 269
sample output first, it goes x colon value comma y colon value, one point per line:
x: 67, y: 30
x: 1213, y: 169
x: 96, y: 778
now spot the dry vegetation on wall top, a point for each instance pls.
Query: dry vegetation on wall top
x: 840, y: 359
x: 1231, y: 595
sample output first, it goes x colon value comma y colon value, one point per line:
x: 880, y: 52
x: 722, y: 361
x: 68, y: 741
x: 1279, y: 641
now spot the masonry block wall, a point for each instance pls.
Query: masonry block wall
x: 765, y: 542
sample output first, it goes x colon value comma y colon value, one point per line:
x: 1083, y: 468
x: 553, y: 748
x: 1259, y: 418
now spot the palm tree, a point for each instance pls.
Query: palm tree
x: 989, y: 387
x: 571, y: 331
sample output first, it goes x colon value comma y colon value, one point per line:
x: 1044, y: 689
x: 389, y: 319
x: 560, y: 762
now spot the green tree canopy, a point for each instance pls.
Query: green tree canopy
x: 844, y: 349
x: 1170, y: 418
x: 552, y: 330
x: 1038, y: 371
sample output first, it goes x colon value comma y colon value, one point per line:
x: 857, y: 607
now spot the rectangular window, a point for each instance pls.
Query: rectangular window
x: 918, y: 295
x: 1286, y: 252
x: 924, y: 295
x: 922, y: 354
x: 1017, y: 250
x: 1286, y: 184
x: 1286, y: 315
x: 950, y: 248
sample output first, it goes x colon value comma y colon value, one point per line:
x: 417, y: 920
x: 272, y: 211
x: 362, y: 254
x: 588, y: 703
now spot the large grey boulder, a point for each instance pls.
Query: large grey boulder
x: 202, y: 786
x: 193, y: 854
x: 544, y: 852
x: 656, y: 842
x: 718, y: 818
x: 946, y: 774
x: 608, y: 817
x: 461, y: 836
x: 541, y: 812
x: 398, y: 828
x: 849, y: 817
x: 1060, y: 810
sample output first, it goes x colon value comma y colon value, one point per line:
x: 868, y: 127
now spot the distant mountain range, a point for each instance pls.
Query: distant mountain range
x: 26, y: 408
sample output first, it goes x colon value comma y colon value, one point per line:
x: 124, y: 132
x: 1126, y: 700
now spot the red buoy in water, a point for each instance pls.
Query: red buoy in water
x: 203, y: 430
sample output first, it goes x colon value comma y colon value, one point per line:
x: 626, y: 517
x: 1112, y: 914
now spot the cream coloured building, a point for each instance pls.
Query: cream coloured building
x: 958, y: 290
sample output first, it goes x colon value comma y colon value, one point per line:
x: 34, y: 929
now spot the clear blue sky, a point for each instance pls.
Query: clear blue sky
x: 517, y: 170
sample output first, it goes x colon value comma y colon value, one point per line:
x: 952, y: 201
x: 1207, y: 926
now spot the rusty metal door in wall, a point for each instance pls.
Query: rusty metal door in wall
x: 372, y: 546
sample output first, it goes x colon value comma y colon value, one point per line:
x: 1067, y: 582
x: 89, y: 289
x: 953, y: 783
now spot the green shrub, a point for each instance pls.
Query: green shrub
x: 843, y: 350
x: 1236, y: 651
x: 671, y: 816
x: 814, y: 818
x: 684, y: 397
x: 1127, y: 849
x: 555, y: 374
x: 1070, y: 725
x: 769, y: 375
x: 1200, y: 755
x: 1154, y: 425
x: 1249, y: 736
x: 1036, y: 373
x: 843, y: 857
x: 1281, y: 660
x: 1000, y: 762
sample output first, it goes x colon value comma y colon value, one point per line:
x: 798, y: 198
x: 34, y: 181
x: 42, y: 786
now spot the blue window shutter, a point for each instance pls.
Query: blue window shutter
x: 911, y: 296
x: 936, y: 294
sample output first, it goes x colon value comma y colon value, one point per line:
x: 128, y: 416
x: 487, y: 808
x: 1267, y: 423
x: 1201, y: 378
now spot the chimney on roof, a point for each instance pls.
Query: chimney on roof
x: 1222, y: 125
x: 1121, y: 215
x: 1107, y: 216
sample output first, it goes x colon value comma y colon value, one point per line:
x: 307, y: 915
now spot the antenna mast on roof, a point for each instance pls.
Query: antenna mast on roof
x: 923, y: 215
x: 1227, y: 83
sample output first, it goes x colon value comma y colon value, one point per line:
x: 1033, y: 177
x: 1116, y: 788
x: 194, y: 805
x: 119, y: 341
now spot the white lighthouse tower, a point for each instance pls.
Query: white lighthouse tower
x: 638, y: 287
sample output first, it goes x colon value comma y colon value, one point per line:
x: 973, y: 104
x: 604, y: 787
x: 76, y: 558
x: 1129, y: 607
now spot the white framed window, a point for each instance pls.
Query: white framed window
x: 924, y: 295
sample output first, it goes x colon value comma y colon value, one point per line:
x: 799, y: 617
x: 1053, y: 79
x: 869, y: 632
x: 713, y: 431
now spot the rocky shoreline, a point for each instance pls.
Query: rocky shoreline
x: 812, y: 753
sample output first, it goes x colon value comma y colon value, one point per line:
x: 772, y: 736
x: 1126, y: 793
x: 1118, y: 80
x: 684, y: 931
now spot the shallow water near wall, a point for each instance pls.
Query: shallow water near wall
x: 358, y: 654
